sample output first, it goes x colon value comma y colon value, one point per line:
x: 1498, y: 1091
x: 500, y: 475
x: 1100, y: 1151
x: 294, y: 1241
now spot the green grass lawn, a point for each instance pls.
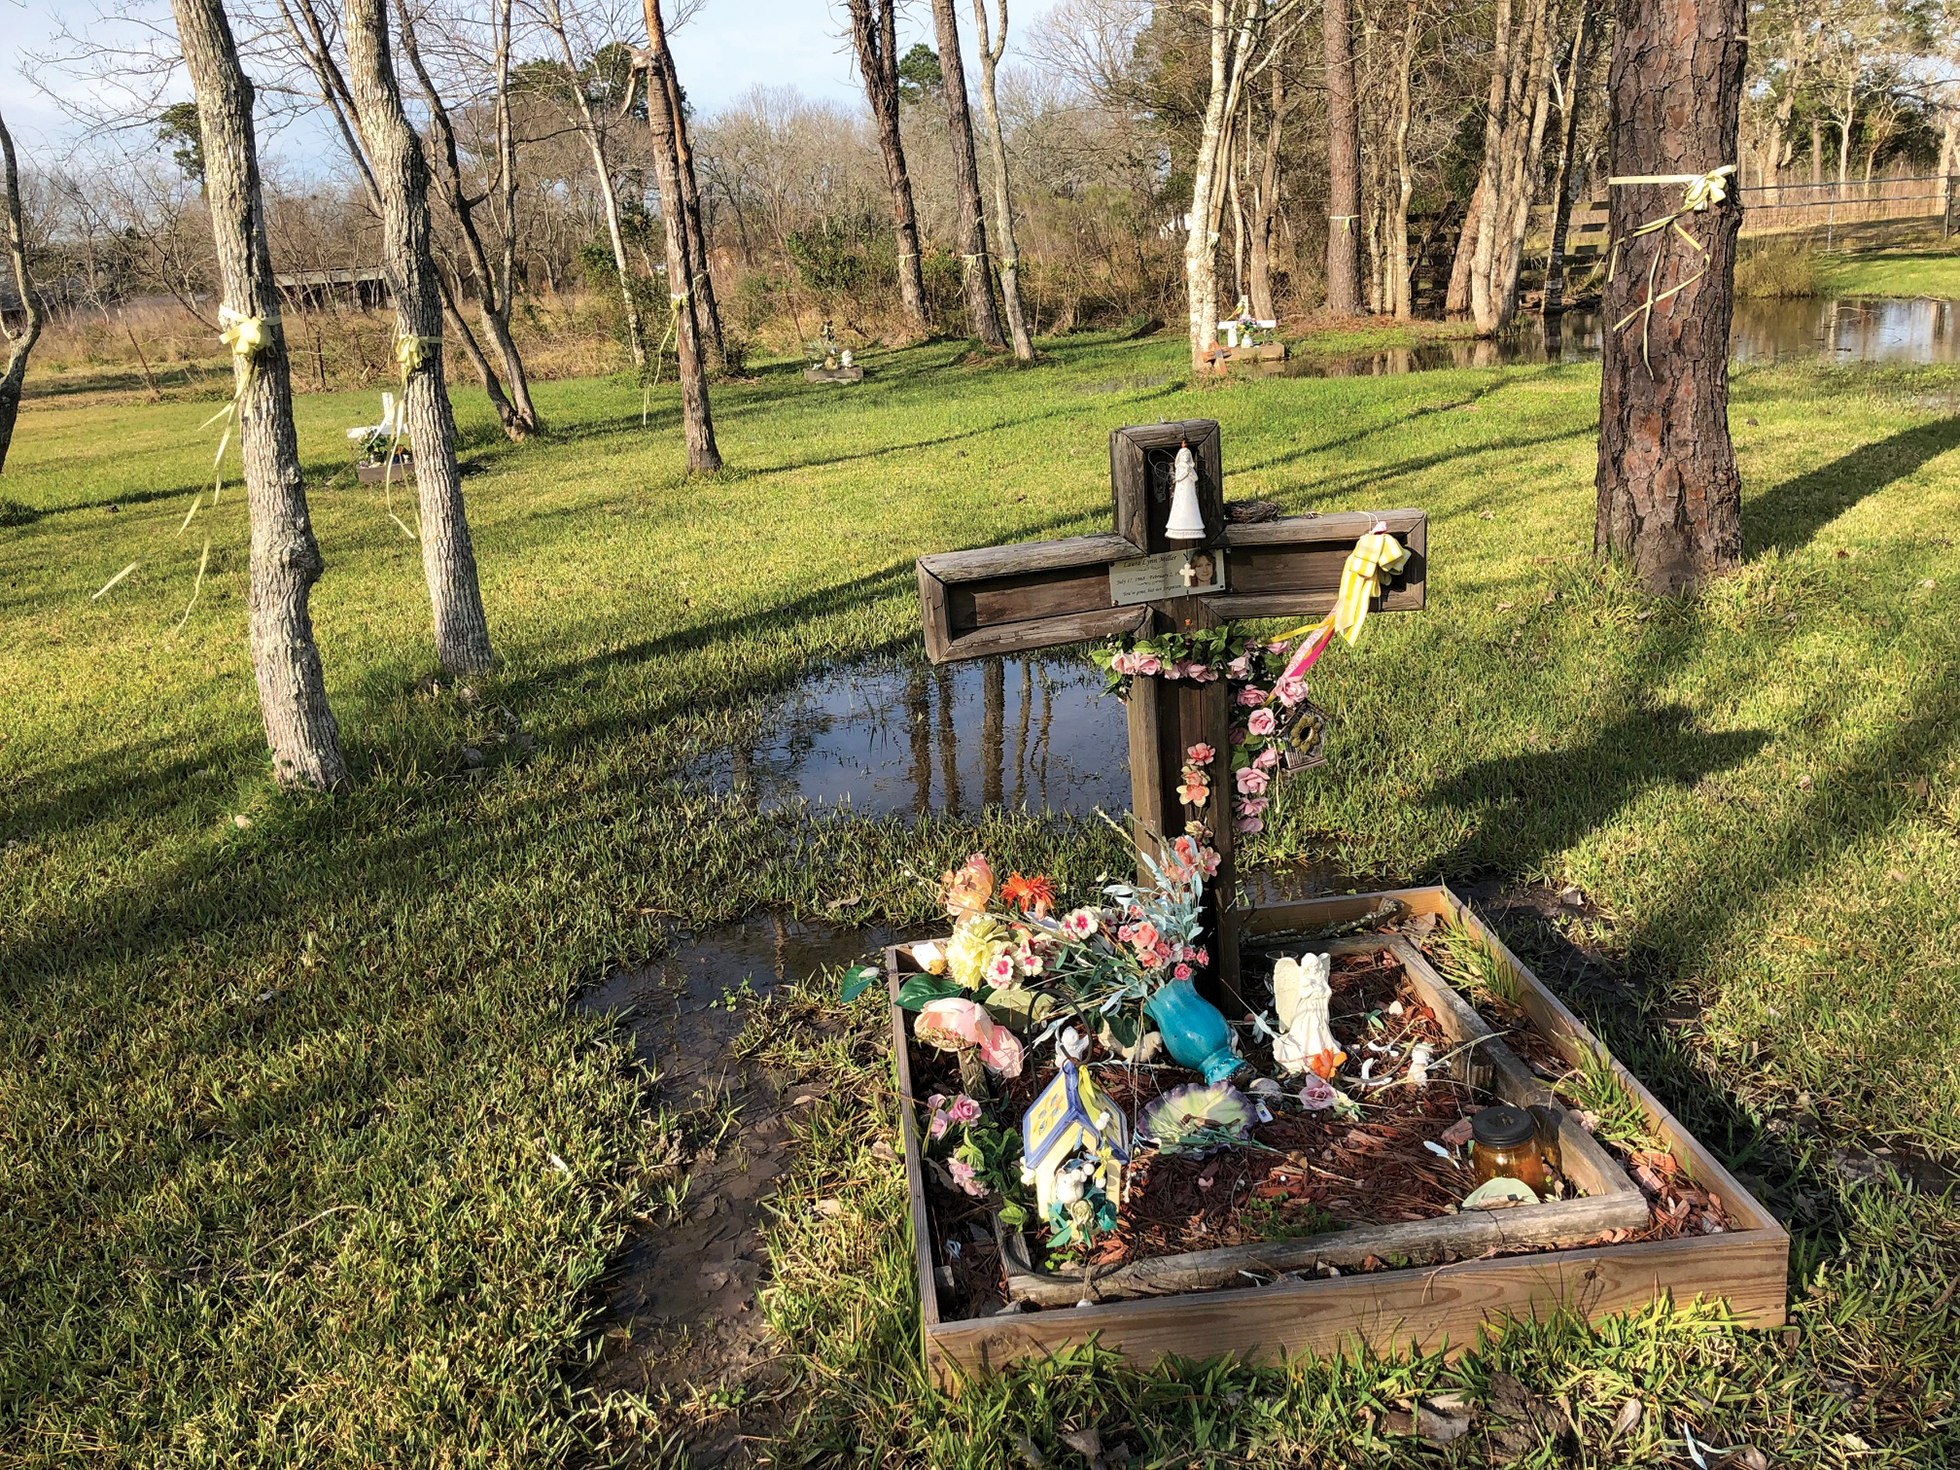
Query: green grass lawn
x: 1931, y: 269
x: 303, y: 1159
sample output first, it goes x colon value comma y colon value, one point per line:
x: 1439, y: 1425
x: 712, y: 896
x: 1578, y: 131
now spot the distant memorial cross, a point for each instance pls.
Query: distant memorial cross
x: 1040, y: 594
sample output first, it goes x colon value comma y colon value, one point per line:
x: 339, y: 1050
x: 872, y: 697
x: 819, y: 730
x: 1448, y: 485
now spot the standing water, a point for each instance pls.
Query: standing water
x: 1876, y: 329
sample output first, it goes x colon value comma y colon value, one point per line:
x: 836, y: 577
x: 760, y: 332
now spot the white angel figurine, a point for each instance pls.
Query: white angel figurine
x: 1301, y: 992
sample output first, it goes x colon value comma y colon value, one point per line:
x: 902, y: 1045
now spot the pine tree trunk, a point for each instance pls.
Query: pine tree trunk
x: 20, y: 345
x: 1343, y: 164
x: 876, y: 40
x: 1670, y: 500
x: 1554, y: 299
x: 991, y: 48
x: 700, y: 280
x: 299, y: 724
x: 697, y: 417
x: 401, y: 174
x: 966, y: 181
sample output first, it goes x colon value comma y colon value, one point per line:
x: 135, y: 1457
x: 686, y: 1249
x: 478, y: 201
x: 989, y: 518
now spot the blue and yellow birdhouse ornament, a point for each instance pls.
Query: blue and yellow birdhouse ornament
x: 1073, y: 1116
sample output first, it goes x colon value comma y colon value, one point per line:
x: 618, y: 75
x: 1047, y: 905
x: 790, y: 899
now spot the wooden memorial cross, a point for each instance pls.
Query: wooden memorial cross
x: 1040, y: 594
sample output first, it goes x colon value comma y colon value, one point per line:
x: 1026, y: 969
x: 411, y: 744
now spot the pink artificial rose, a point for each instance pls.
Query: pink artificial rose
x: 1149, y: 663
x: 1249, y: 826
x: 964, y: 1110
x: 1190, y: 668
x: 1209, y: 859
x: 1261, y: 722
x: 1145, y: 936
x: 965, y: 1176
x: 1266, y: 759
x: 1318, y: 1093
x: 1195, y: 791
x: 1252, y: 781
x: 1238, y: 734
x: 1201, y: 754
x: 1182, y: 972
x: 1206, y: 675
x: 1278, y: 647
x: 1252, y: 696
x: 1251, y: 806
x: 1202, y: 955
x: 1173, y: 670
x: 1290, y: 692
x: 1240, y: 668
x: 1124, y: 663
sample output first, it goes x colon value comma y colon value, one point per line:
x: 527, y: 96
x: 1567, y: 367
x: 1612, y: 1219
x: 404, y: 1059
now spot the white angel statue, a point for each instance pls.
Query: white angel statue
x: 1301, y: 991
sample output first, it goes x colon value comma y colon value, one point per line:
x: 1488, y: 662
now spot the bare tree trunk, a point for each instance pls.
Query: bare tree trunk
x: 966, y: 181
x: 876, y: 40
x: 1456, y: 301
x: 401, y: 174
x: 1816, y: 151
x: 700, y: 282
x: 1670, y: 500
x: 697, y: 417
x: 992, y: 46
x: 595, y: 143
x: 299, y: 724
x: 1343, y: 163
x: 19, y: 344
x: 1554, y: 298
x: 1265, y: 205
x: 1401, y: 287
x: 1514, y: 135
x: 493, y: 305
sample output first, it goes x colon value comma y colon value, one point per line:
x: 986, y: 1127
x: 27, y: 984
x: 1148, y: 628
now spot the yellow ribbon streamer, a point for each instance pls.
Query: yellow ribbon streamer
x: 246, y: 337
x: 1698, y: 193
x: 1374, y: 555
x: 410, y: 357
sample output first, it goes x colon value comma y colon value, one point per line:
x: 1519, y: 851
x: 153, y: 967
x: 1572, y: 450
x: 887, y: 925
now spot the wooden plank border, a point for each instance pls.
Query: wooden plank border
x: 1438, y: 1308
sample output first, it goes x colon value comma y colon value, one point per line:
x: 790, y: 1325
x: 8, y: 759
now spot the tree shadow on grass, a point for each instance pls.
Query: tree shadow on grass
x: 1787, y: 516
x: 1529, y: 808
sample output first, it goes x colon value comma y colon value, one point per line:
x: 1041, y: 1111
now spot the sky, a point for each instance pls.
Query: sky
x: 728, y: 47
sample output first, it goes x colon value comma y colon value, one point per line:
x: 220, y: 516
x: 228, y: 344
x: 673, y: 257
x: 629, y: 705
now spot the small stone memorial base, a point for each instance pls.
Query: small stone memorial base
x: 1441, y: 1295
x: 374, y: 471
x: 851, y: 374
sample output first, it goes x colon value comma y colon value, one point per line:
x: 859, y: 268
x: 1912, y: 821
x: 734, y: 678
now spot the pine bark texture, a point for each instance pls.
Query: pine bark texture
x: 20, y: 345
x: 992, y: 46
x: 299, y: 724
x: 876, y: 39
x: 1343, y: 163
x: 1670, y: 500
x: 462, y: 633
x: 697, y: 417
x: 1554, y: 299
x: 966, y: 181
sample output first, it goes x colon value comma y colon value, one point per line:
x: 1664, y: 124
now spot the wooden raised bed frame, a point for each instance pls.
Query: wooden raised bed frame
x: 1428, y: 1308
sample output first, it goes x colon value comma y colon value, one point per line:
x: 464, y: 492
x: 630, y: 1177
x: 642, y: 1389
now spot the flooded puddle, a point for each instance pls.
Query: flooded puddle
x: 882, y: 740
x: 1880, y: 329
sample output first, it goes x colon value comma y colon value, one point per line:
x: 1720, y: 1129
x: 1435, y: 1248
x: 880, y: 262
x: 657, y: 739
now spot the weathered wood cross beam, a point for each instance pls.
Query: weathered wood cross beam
x: 1040, y: 594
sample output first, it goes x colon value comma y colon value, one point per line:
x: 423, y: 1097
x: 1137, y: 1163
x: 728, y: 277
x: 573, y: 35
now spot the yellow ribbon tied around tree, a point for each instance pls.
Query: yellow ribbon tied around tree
x: 246, y: 337
x: 1375, y: 556
x: 1699, y: 193
x: 410, y: 356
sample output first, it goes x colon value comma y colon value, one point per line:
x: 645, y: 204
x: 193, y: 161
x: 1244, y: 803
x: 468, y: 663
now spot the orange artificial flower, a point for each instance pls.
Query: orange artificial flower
x: 1034, y: 895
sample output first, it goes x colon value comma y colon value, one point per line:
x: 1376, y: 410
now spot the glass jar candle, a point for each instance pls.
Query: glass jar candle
x: 1504, y: 1145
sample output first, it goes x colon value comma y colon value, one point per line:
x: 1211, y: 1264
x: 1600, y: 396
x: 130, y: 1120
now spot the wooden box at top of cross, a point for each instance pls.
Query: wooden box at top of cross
x: 1177, y: 1124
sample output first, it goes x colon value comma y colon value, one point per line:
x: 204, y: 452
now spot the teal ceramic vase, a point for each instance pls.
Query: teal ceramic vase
x: 1195, y: 1031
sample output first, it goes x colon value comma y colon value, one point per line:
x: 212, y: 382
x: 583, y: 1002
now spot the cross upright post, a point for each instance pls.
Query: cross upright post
x: 1041, y: 594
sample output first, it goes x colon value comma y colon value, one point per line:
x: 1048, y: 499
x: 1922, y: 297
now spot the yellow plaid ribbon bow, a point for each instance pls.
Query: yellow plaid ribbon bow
x: 1361, y: 579
x: 1374, y: 555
